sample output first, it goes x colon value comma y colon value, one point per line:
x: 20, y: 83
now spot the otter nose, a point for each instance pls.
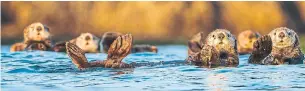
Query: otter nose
x: 281, y: 35
x: 221, y: 35
x: 87, y: 38
x: 39, y: 28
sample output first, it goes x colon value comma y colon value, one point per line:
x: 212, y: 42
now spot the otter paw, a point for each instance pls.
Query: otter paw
x: 77, y: 55
x: 121, y: 47
x: 263, y: 45
x: 261, y: 49
x: 206, y: 54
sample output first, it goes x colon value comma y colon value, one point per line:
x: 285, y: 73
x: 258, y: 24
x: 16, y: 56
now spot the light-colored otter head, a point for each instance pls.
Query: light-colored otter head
x: 87, y: 42
x: 36, y: 32
x: 247, y: 38
x: 283, y: 37
x: 222, y: 39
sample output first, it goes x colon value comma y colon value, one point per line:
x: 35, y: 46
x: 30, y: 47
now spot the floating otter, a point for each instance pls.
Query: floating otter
x: 219, y: 49
x: 86, y: 41
x: 280, y: 46
x: 246, y: 40
x: 109, y: 37
x: 118, y: 50
x: 36, y: 32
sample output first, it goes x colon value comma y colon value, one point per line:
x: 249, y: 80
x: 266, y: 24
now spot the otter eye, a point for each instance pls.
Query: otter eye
x: 213, y: 36
x: 274, y: 33
x: 229, y: 35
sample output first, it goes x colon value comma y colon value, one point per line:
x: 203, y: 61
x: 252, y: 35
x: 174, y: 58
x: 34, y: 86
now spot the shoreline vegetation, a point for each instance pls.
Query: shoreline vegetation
x: 157, y: 23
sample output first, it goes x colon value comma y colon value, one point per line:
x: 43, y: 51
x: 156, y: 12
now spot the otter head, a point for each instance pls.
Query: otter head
x: 36, y: 32
x: 283, y: 37
x: 87, y: 42
x: 222, y: 39
x: 107, y: 40
x: 247, y: 38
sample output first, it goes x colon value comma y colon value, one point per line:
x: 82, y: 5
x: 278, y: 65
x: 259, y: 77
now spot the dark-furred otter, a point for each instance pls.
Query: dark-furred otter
x: 34, y: 33
x: 218, y: 49
x: 280, y: 46
x: 246, y: 40
x: 109, y: 37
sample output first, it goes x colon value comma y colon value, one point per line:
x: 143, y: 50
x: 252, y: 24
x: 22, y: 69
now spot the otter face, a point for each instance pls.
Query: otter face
x: 247, y: 38
x: 36, y: 32
x: 87, y: 42
x: 283, y: 37
x: 221, y: 39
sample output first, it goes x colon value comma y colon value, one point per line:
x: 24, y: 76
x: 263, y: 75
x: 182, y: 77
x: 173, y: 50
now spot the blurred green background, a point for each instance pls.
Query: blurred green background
x: 149, y: 22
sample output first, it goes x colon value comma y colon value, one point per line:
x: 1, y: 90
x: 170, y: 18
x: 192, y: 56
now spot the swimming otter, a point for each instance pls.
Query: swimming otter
x: 118, y: 50
x: 219, y: 49
x: 86, y: 41
x: 109, y: 37
x: 34, y: 32
x: 246, y: 40
x: 280, y: 46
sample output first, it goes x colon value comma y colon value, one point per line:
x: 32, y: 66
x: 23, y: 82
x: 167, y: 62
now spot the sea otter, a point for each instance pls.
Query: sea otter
x: 35, y: 32
x: 118, y: 50
x: 218, y: 49
x: 109, y: 37
x: 246, y: 40
x: 280, y: 46
x: 86, y: 41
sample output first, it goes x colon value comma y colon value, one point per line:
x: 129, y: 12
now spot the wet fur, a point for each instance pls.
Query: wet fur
x: 268, y: 53
x: 118, y: 50
x: 214, y: 54
x: 28, y: 40
x: 109, y: 37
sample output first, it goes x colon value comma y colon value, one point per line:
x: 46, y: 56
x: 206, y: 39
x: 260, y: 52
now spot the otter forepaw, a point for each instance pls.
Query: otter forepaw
x: 207, y: 54
x: 263, y: 45
x: 261, y: 48
x: 77, y: 55
x: 121, y: 47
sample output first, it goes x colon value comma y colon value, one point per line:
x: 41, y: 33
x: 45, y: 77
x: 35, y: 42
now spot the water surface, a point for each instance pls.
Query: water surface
x: 40, y: 70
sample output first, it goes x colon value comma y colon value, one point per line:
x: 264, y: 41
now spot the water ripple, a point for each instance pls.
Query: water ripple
x: 167, y: 70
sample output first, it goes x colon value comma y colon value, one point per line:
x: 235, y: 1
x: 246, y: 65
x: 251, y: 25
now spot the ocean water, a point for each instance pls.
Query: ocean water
x: 41, y: 70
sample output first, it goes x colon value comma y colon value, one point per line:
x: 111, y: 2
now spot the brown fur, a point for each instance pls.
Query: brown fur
x: 109, y: 37
x: 27, y: 41
x: 219, y: 49
x: 118, y: 50
x: 268, y: 53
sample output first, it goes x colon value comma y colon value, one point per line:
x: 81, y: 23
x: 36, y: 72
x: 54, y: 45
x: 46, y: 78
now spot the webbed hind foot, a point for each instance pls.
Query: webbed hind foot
x: 120, y: 48
x: 77, y: 55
